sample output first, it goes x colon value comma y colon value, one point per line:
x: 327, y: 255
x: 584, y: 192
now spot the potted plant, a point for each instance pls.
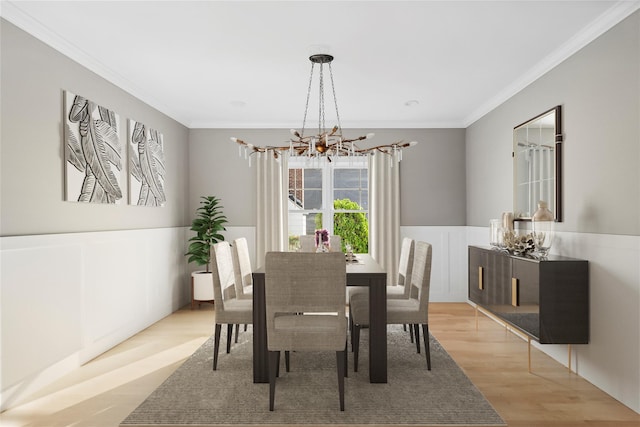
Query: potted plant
x: 207, y: 225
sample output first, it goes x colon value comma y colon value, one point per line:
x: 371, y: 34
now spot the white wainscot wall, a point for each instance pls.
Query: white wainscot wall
x: 448, y: 263
x: 611, y: 360
x: 66, y: 298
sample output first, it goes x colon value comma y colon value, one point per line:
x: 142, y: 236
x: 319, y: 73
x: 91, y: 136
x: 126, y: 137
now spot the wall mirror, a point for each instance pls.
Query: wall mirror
x: 537, y: 166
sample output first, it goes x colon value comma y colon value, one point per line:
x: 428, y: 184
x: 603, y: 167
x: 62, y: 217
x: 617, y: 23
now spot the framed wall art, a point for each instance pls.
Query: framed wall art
x: 93, y: 152
x: 146, y: 166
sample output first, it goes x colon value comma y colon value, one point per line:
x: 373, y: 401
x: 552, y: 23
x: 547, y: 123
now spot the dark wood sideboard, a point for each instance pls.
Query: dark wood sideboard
x: 547, y: 300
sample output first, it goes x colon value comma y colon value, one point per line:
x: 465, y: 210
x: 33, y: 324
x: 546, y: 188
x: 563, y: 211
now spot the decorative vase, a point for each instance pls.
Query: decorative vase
x: 507, y: 221
x: 543, y: 225
x: 495, y: 233
x: 324, y: 247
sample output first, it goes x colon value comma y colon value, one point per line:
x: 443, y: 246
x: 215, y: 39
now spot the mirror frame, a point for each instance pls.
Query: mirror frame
x: 557, y: 211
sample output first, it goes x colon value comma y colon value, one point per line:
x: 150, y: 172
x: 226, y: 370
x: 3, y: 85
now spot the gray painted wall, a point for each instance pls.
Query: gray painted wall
x: 34, y: 77
x: 599, y: 90
x: 432, y: 173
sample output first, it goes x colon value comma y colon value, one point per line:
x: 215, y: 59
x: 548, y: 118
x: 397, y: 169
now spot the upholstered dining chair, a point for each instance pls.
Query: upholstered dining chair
x: 242, y: 270
x: 305, y: 309
x: 335, y: 243
x: 402, y: 288
x: 412, y: 311
x: 308, y: 243
x: 229, y: 309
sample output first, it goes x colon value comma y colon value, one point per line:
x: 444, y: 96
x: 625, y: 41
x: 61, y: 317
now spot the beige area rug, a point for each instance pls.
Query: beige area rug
x: 195, y: 395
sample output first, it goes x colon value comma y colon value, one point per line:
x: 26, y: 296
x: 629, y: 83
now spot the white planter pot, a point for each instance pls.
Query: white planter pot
x: 201, y: 288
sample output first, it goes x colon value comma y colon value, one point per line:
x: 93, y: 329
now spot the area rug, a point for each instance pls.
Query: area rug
x: 195, y: 395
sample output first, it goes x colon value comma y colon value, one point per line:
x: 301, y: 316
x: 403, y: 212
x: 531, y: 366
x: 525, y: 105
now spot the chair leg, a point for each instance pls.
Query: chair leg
x: 425, y: 332
x: 229, y: 335
x: 287, y: 360
x: 346, y: 359
x: 351, y: 329
x: 274, y: 357
x: 216, y: 346
x: 237, y: 332
x: 411, y: 332
x: 416, y: 328
x: 355, y: 342
x: 245, y: 327
x: 340, y: 360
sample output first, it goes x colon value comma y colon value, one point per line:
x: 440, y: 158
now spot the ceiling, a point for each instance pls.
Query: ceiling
x: 245, y: 64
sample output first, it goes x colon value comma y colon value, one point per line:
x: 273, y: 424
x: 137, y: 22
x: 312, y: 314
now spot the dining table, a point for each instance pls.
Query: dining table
x: 363, y: 271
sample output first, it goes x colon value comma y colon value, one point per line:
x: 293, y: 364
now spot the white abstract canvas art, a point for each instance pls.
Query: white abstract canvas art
x: 93, y: 152
x: 146, y: 166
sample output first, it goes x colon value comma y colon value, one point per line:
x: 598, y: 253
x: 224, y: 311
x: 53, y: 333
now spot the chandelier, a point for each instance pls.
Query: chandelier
x: 326, y: 143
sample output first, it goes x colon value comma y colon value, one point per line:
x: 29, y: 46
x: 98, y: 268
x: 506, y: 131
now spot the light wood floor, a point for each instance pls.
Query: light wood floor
x: 104, y: 391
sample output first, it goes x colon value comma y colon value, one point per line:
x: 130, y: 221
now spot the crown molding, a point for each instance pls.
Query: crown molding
x: 619, y: 11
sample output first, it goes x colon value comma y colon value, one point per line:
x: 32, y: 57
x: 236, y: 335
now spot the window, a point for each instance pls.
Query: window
x: 332, y: 195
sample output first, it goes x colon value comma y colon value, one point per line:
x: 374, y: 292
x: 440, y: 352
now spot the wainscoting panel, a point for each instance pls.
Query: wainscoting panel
x: 41, y: 294
x: 67, y: 298
x: 448, y: 264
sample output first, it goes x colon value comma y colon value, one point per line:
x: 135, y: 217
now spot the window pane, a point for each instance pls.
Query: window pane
x: 353, y: 195
x: 296, y: 186
x: 312, y: 178
x: 312, y: 199
x: 301, y: 224
x: 313, y: 222
x: 346, y: 178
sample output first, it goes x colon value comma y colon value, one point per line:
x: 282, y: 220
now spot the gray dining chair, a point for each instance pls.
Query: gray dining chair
x: 305, y: 309
x: 412, y: 311
x: 402, y: 288
x: 308, y: 243
x: 242, y: 268
x: 243, y: 272
x: 229, y: 309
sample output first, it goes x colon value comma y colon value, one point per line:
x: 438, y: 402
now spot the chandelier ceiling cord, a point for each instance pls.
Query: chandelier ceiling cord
x: 326, y: 143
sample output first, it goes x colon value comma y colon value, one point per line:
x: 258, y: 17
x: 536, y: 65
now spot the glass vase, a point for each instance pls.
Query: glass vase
x: 543, y: 228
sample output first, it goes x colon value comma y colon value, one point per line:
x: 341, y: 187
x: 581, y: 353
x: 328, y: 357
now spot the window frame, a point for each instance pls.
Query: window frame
x: 327, y: 172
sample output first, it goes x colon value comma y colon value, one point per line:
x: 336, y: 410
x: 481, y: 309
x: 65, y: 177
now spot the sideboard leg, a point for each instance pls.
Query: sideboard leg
x: 529, y: 352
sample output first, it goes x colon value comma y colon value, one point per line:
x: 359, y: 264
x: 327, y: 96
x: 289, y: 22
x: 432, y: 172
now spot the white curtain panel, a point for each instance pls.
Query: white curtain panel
x: 384, y: 212
x: 272, y: 189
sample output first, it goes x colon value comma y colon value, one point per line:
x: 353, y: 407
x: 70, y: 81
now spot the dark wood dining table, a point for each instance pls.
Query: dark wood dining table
x: 365, y: 272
